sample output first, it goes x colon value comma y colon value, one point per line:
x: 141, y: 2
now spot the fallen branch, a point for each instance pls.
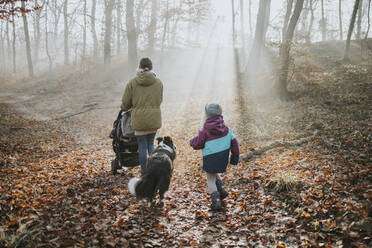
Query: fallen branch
x: 88, y: 107
x: 73, y: 114
x: 247, y: 156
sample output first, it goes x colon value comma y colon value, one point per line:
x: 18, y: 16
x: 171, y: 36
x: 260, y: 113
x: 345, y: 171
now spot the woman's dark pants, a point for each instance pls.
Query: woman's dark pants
x: 145, y: 145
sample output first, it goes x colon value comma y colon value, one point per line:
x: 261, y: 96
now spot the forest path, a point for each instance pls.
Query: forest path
x: 58, y: 189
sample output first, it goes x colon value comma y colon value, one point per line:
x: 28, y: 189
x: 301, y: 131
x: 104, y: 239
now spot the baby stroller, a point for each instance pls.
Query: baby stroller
x: 124, y: 143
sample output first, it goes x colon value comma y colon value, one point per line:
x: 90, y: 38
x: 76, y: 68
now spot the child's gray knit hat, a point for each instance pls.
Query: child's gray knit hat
x: 213, y: 109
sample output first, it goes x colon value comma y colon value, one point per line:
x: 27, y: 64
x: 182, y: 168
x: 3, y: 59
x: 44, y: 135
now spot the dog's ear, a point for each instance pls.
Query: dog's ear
x: 159, y: 139
x: 168, y: 140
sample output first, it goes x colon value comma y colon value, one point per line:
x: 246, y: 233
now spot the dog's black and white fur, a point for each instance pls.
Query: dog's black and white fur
x: 158, y: 172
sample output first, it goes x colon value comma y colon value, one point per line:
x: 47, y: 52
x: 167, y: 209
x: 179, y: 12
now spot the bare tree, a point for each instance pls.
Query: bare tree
x: 350, y: 32
x: 242, y: 29
x: 304, y: 18
x: 359, y: 21
x: 131, y: 35
x: 37, y: 31
x: 138, y: 16
x: 165, y: 27
x: 65, y: 36
x: 267, y: 18
x: 260, y: 34
x: 175, y: 24
x: 28, y: 43
x: 152, y: 27
x: 109, y: 4
x: 118, y: 26
x: 93, y: 28
x: 233, y: 21
x: 364, y: 42
x: 308, y: 35
x: 323, y: 22
x: 2, y: 48
x: 47, y: 40
x: 285, y: 48
x: 8, y: 42
x: 84, y: 31
x: 286, y: 18
x: 57, y: 11
x: 340, y: 18
x: 14, y: 42
x: 368, y: 21
x: 250, y: 18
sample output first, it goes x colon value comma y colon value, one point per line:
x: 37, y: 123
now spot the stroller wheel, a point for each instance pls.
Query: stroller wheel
x: 114, y: 166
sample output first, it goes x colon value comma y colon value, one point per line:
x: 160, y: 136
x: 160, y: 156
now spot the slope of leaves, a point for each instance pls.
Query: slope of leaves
x: 57, y: 190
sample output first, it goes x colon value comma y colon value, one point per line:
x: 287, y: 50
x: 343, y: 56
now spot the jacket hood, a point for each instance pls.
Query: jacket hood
x: 216, y: 125
x: 146, y: 78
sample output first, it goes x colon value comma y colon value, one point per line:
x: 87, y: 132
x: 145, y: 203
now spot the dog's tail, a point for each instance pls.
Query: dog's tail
x: 132, y: 185
x: 144, y: 187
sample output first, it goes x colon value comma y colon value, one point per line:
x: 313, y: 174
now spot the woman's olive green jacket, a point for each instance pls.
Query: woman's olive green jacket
x: 144, y: 94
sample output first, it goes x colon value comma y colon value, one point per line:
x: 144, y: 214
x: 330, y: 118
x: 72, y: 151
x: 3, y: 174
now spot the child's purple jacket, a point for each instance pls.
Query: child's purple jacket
x: 216, y: 141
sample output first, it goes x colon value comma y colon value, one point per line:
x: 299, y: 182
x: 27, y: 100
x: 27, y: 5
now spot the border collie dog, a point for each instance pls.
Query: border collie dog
x: 158, y: 173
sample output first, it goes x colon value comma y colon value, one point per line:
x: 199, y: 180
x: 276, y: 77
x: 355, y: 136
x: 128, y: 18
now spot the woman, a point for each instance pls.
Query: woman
x: 144, y: 94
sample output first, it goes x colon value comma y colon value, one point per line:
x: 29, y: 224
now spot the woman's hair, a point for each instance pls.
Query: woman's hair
x: 146, y: 64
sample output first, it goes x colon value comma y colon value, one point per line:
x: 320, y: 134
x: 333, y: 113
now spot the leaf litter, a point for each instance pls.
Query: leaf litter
x: 57, y: 191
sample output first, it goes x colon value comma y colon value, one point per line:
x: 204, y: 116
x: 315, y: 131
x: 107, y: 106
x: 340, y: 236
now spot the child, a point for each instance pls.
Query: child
x: 216, y: 140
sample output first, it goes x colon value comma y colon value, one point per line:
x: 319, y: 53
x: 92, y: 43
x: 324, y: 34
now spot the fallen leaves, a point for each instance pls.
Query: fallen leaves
x: 57, y: 191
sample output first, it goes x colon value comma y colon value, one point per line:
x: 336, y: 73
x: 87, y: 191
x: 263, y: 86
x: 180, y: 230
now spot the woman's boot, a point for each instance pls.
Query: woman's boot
x: 221, y: 188
x: 216, y: 201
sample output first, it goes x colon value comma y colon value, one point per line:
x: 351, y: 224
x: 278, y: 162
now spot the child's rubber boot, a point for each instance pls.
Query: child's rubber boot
x: 216, y: 201
x: 221, y: 189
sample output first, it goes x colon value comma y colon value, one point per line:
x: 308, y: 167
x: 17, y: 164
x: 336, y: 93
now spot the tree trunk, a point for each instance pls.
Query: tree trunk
x: 260, y: 34
x: 118, y: 26
x: 233, y: 21
x: 131, y: 35
x: 323, y: 23
x: 369, y: 21
x: 242, y: 31
x: 286, y: 18
x: 359, y: 22
x: 350, y: 32
x: 14, y: 43
x: 175, y: 26
x: 308, y: 35
x: 153, y: 23
x: 28, y: 43
x: 109, y: 4
x: 84, y: 32
x: 250, y: 18
x: 138, y: 17
x: 285, y: 48
x: 304, y: 19
x: 2, y: 49
x: 340, y: 18
x: 93, y: 27
x: 267, y: 18
x: 65, y: 36
x: 242, y: 21
x: 8, y: 46
x: 165, y: 27
x: 364, y: 43
x: 57, y: 15
x: 47, y: 40
x: 37, y: 32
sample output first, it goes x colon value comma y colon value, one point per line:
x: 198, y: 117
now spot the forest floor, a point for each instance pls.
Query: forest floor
x: 56, y: 188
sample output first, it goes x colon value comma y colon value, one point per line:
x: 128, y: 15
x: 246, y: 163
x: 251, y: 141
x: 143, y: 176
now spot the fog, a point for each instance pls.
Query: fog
x: 191, y: 43
x: 294, y: 84
x: 187, y: 24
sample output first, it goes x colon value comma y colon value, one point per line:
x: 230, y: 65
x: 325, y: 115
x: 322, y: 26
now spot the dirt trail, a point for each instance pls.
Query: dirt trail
x: 62, y: 193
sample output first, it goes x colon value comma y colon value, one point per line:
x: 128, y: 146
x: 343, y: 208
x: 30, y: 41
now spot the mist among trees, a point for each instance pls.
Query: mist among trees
x: 293, y: 79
